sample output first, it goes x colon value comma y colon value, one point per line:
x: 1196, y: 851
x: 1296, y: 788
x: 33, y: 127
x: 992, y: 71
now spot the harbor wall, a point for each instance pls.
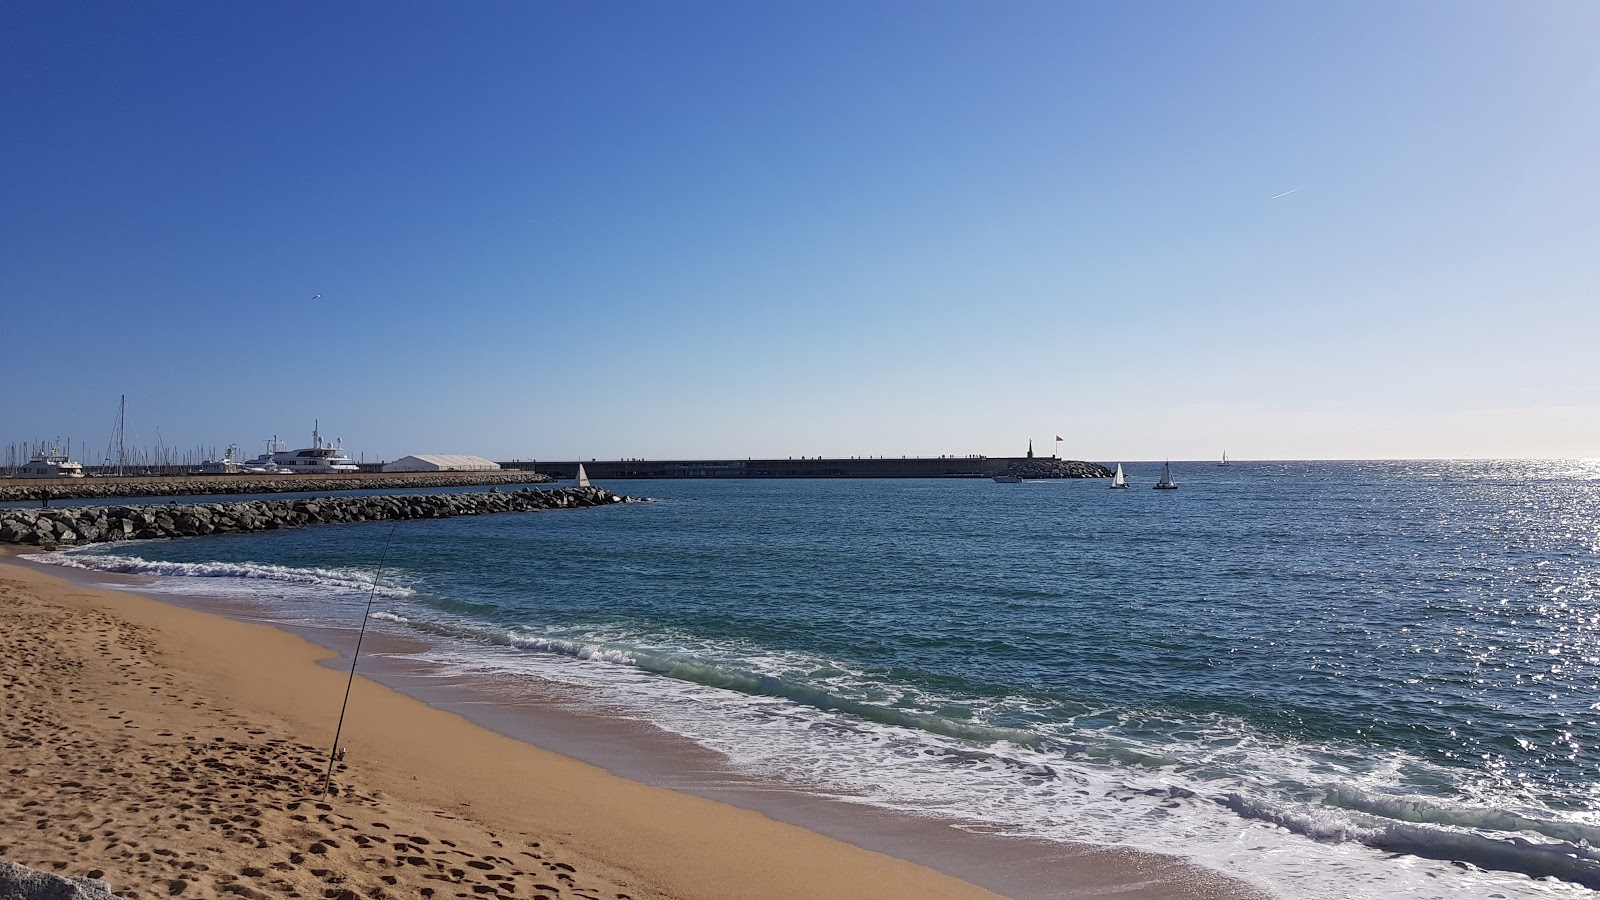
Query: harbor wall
x: 818, y: 467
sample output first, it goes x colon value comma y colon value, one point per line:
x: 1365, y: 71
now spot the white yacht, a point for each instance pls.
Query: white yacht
x: 54, y: 464
x: 263, y: 464
x: 1119, y: 480
x: 318, y: 459
x: 227, y: 465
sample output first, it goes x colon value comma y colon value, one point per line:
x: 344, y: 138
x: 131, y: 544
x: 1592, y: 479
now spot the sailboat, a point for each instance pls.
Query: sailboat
x: 1166, y: 483
x: 1119, y: 480
x: 1224, y: 458
x: 583, y: 477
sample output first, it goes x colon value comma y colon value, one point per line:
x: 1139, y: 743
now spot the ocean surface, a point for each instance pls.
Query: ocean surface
x: 1333, y: 679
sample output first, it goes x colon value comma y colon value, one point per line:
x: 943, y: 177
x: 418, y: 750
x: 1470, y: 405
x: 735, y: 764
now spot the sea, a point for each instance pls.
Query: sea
x: 1328, y: 679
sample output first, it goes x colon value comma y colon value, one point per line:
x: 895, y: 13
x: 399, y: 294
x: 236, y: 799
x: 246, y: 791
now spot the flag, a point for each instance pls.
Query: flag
x: 1060, y: 438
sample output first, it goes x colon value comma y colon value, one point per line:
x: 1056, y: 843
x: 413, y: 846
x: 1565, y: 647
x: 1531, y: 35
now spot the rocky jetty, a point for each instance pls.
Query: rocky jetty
x: 1057, y: 468
x: 19, y: 882
x: 72, y: 526
x: 103, y: 488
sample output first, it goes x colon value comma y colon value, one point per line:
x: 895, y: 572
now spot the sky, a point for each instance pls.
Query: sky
x: 722, y: 229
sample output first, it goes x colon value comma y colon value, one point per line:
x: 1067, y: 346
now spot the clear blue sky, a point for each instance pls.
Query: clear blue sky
x: 691, y: 228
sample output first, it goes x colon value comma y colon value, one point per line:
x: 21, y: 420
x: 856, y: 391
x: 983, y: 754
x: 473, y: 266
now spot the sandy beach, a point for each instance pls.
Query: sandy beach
x: 171, y: 751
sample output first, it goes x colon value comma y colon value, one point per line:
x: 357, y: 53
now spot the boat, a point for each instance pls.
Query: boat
x: 583, y: 477
x: 1119, y: 480
x: 1008, y: 479
x: 1224, y: 458
x: 227, y: 465
x: 54, y: 464
x: 1166, y: 483
x: 263, y: 464
x: 317, y: 459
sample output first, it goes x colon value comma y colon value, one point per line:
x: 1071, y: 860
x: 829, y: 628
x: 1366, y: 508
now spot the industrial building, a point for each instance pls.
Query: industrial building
x: 441, y: 463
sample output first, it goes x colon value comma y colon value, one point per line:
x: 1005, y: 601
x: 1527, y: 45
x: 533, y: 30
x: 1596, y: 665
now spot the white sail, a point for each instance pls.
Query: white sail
x: 1119, y: 480
x: 1166, y: 482
x: 583, y: 477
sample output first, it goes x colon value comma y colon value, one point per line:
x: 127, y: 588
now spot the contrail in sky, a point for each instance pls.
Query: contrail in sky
x: 1284, y: 194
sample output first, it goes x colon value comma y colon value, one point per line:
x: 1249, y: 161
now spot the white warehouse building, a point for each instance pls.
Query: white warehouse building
x: 441, y: 463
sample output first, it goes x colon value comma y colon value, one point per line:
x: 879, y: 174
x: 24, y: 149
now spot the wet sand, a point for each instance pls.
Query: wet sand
x: 176, y: 752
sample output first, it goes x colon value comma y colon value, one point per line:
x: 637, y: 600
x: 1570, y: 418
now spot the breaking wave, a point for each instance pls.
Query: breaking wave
x: 342, y: 579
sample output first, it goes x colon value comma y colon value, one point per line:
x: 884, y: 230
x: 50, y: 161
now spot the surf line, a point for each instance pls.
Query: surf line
x: 334, y: 754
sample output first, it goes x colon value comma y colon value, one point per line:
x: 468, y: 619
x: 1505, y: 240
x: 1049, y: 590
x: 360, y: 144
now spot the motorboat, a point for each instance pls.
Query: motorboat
x: 54, y: 464
x: 1008, y: 479
x: 318, y: 459
x: 227, y: 465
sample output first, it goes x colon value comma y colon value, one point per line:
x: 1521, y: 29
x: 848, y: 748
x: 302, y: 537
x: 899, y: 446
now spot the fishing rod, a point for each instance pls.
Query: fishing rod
x: 333, y: 751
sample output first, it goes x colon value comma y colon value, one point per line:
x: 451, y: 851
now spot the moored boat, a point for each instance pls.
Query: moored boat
x: 54, y: 464
x: 318, y: 459
x: 227, y: 465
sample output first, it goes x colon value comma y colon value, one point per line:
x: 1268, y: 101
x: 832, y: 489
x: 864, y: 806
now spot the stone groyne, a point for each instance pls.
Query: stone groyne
x: 103, y: 488
x: 73, y: 526
x: 1057, y: 468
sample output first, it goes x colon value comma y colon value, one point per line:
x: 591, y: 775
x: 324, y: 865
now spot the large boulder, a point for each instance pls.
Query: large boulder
x: 22, y: 883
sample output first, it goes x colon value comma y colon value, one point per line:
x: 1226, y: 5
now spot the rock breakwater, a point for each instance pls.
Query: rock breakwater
x: 73, y: 526
x: 99, y: 489
x: 1058, y: 468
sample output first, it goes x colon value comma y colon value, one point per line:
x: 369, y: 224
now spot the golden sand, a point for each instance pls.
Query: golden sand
x: 175, y: 753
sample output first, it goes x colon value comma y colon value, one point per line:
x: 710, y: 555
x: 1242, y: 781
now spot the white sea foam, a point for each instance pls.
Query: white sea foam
x: 1093, y: 787
x: 300, y: 594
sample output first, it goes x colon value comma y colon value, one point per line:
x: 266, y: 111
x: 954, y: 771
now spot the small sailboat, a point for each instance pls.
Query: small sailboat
x: 1119, y: 480
x: 583, y: 477
x: 1224, y: 458
x: 1166, y: 483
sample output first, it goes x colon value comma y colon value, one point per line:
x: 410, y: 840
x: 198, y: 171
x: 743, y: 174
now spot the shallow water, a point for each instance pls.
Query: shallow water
x: 1327, y: 677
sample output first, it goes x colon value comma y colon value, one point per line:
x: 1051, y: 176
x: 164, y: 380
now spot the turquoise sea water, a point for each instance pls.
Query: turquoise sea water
x: 1334, y: 679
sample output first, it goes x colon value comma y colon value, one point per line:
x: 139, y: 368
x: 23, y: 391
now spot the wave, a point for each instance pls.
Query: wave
x: 342, y: 579
x: 1420, y: 811
x: 1408, y: 826
x: 1574, y: 862
x: 688, y: 668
